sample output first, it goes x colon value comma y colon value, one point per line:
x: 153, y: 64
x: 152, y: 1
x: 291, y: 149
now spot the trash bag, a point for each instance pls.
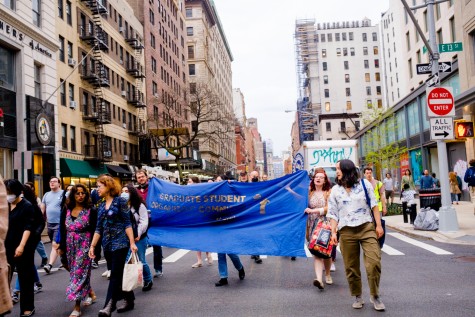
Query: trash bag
x: 427, y: 219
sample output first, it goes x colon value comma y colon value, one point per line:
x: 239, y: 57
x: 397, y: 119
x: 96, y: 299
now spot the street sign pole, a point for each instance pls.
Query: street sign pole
x: 447, y: 215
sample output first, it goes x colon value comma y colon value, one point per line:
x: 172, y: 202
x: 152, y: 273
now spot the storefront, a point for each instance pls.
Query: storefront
x: 120, y: 174
x: 80, y: 172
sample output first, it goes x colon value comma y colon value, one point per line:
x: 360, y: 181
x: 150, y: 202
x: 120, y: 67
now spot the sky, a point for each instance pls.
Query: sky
x: 260, y: 35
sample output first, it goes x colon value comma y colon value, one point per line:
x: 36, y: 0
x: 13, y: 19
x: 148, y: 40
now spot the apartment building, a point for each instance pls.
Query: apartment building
x: 209, y: 65
x: 257, y: 156
x: 340, y: 76
x: 101, y: 98
x: 166, y: 74
x: 28, y: 114
x: 403, y: 48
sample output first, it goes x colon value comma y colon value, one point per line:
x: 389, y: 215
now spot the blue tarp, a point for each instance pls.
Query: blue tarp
x: 265, y: 218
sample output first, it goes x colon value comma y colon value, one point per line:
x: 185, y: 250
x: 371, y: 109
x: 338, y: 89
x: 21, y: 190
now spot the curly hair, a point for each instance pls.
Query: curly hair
x: 326, y: 182
x: 71, y: 200
x: 111, y: 184
x: 349, y: 174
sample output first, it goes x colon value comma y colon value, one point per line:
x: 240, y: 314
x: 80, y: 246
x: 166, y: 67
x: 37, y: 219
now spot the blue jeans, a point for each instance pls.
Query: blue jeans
x: 142, y: 247
x: 17, y: 283
x: 40, y: 248
x: 223, y: 266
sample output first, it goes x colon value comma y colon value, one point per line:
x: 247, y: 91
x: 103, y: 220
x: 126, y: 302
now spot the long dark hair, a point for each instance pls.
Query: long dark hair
x: 14, y: 187
x: 135, y: 199
x: 71, y: 201
x: 349, y: 175
x: 326, y: 184
x: 30, y: 195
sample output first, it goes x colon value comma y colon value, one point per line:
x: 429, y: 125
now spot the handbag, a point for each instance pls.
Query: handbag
x: 319, y: 244
x: 383, y: 222
x: 133, y: 273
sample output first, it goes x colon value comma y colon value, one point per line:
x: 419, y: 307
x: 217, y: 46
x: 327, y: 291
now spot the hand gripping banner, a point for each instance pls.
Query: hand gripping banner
x: 265, y: 218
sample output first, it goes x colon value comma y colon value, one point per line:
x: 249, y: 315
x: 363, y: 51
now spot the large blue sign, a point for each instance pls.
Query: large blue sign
x: 231, y: 217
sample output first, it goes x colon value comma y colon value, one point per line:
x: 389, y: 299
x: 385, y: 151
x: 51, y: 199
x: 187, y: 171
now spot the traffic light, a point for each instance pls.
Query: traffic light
x: 464, y: 129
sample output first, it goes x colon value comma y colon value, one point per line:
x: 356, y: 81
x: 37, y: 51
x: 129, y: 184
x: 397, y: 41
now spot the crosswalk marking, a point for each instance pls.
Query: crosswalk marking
x: 390, y: 250
x: 419, y: 244
x: 175, y: 256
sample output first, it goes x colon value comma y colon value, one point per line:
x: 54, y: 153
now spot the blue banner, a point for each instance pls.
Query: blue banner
x: 265, y: 218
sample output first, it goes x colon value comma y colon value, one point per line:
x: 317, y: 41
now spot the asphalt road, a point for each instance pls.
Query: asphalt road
x: 417, y: 280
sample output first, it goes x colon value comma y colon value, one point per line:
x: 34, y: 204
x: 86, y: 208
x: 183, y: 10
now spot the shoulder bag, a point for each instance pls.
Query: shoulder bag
x: 383, y: 222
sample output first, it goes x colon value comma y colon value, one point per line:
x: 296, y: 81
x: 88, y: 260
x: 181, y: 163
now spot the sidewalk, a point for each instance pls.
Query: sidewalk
x: 465, y: 234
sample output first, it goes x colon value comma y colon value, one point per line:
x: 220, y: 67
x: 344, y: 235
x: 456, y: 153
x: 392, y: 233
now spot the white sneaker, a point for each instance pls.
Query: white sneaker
x: 333, y: 268
x: 106, y: 273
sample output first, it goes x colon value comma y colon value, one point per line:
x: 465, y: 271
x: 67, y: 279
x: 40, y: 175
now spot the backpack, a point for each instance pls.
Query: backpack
x: 469, y: 177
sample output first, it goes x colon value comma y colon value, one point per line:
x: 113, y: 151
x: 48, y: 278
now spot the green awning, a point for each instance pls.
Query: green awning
x: 75, y: 168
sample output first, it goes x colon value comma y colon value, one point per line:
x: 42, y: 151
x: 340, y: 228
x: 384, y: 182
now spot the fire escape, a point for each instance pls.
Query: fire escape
x: 97, y: 75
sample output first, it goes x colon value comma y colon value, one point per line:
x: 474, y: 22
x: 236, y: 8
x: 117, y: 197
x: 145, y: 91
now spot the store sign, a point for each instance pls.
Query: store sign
x: 11, y: 32
x: 37, y: 47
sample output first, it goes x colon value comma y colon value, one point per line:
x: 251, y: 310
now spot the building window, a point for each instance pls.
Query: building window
x: 69, y: 17
x: 72, y: 132
x: 375, y: 50
x: 36, y: 7
x: 440, y: 38
x: 366, y: 63
x: 357, y: 125
x: 191, y: 70
x: 369, y: 104
x: 189, y: 31
x: 60, y: 9
x: 346, y: 65
x: 154, y: 88
x: 347, y: 78
x: 343, y: 36
x: 327, y: 93
x: 367, y: 77
x: 377, y: 77
x: 348, y: 105
x: 152, y: 40
x: 189, y: 12
x: 365, y: 37
x: 378, y: 90
x: 324, y: 65
x: 345, y: 50
x: 64, y: 136
x: 338, y: 52
x: 192, y: 88
x: 437, y: 12
x: 365, y: 51
x: 61, y: 48
x: 409, y: 64
x: 352, y: 51
x: 330, y: 39
x: 71, y: 93
x: 408, y: 41
x: 350, y: 36
x: 70, y: 50
x: 342, y: 126
x: 337, y: 37
x: 328, y: 126
x: 376, y: 63
x: 191, y: 51
x: 154, y: 65
x: 37, y: 78
x: 151, y: 16
x: 368, y: 90
x: 375, y: 37
x: 453, y: 36
x: 322, y: 37
x: 324, y: 53
x: 380, y: 103
x: 348, y: 92
x: 62, y: 92
x: 327, y: 106
x: 325, y: 79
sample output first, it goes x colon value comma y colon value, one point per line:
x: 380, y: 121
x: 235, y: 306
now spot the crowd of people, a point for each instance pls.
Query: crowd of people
x: 113, y: 220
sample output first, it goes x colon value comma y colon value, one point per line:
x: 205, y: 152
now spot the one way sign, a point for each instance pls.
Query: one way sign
x: 445, y: 67
x: 442, y: 128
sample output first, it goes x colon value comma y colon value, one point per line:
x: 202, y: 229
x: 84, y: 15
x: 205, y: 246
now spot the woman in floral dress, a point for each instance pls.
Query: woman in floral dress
x: 317, y: 209
x: 79, y: 223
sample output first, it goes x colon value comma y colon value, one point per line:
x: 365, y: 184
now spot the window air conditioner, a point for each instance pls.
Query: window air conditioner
x: 123, y: 93
x: 121, y: 29
x: 107, y: 153
x: 155, y: 95
x: 72, y: 104
x: 71, y: 62
x: 124, y: 125
x: 95, y: 115
x: 126, y: 157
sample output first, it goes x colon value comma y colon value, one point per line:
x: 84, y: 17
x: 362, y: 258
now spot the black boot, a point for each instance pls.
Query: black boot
x: 221, y: 282
x: 127, y: 305
x: 108, y: 309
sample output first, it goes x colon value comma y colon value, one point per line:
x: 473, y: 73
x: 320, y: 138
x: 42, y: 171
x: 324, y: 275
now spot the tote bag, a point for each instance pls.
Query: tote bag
x: 133, y: 273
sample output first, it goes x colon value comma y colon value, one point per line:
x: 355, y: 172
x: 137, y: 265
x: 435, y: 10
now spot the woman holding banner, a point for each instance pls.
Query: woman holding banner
x: 317, y: 208
x: 199, y: 263
x: 350, y: 213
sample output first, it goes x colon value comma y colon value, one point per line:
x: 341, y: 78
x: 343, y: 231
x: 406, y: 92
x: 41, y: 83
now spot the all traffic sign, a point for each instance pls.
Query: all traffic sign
x: 440, y: 102
x: 442, y: 128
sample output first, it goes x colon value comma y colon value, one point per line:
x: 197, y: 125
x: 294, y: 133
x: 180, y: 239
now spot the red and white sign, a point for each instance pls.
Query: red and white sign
x: 440, y: 102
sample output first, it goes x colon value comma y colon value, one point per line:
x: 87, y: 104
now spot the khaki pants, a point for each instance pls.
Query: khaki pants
x: 472, y: 195
x: 351, y: 238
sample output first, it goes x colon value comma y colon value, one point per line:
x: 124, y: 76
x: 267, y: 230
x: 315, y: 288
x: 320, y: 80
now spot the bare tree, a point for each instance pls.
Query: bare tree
x: 202, y: 119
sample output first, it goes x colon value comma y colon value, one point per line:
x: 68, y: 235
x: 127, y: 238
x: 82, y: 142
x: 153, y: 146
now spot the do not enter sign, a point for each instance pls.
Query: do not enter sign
x: 440, y: 102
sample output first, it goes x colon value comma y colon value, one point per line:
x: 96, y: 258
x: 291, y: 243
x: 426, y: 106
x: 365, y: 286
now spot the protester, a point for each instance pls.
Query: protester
x: 427, y: 182
x: 407, y: 179
x: 379, y: 189
x: 51, y: 206
x: 142, y: 181
x: 317, y: 208
x: 454, y: 188
x: 114, y: 226
x: 264, y: 177
x: 388, y: 183
x: 255, y: 178
x: 349, y: 213
x: 469, y: 178
x: 199, y: 263
x: 243, y: 177
x: 5, y: 301
x: 459, y: 184
x: 222, y: 263
x: 77, y: 228
x: 139, y: 221
x: 21, y: 243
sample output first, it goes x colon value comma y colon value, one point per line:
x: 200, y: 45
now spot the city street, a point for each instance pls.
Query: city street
x: 419, y: 278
